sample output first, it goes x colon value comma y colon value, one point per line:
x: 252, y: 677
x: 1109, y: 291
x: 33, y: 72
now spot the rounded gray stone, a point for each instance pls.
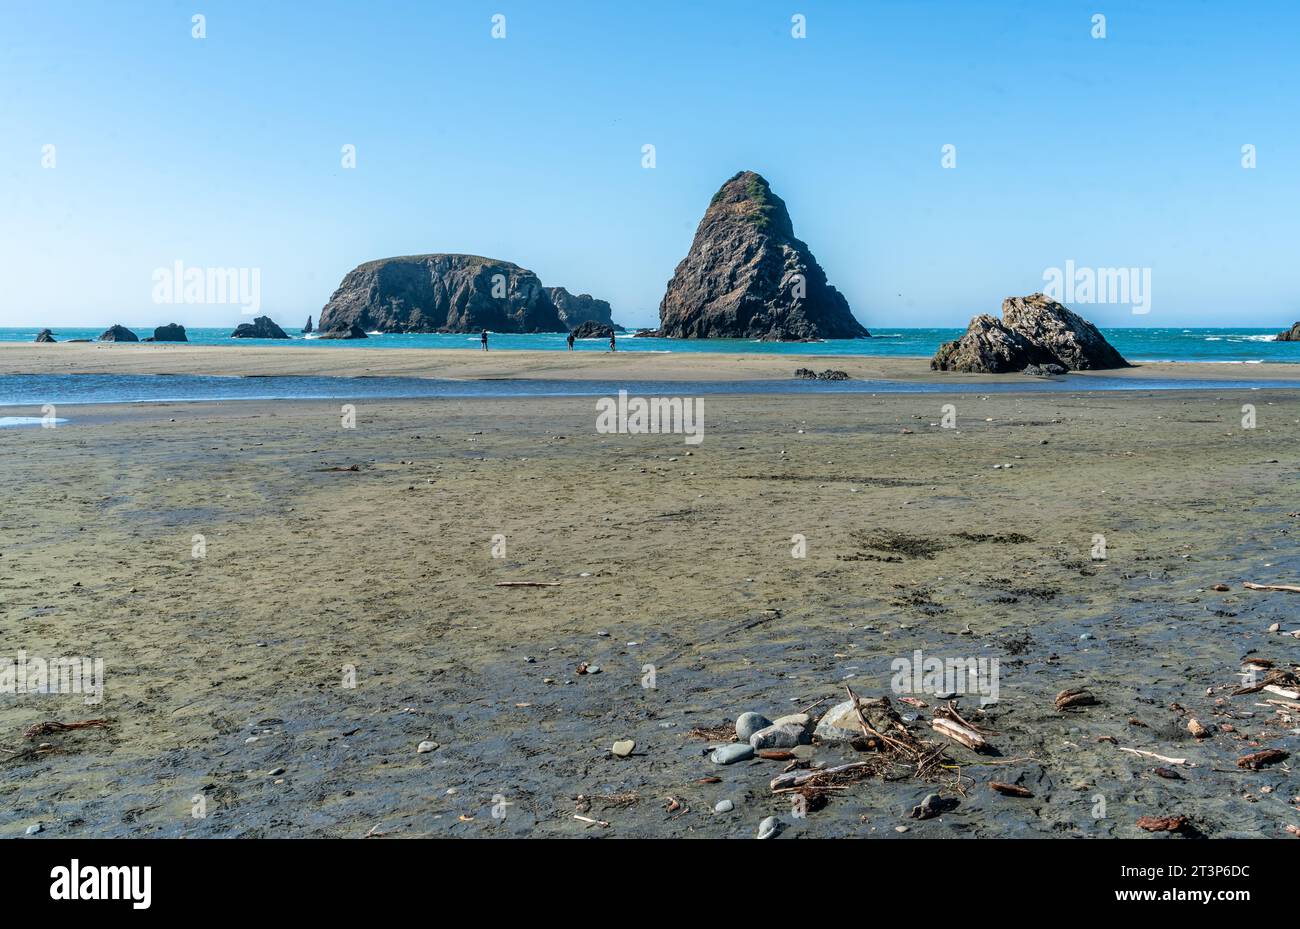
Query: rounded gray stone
x: 749, y: 723
x: 730, y: 754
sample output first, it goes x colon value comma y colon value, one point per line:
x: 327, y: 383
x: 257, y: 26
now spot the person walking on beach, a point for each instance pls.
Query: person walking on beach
x: 570, y: 340
x: 611, y: 342
x: 484, y: 339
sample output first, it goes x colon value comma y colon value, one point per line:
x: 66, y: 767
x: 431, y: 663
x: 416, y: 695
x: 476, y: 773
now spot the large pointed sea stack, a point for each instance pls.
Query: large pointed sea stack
x: 1034, y: 331
x: 440, y: 293
x: 747, y: 276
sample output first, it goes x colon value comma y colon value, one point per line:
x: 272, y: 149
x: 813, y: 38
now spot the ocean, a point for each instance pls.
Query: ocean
x: 1240, y: 345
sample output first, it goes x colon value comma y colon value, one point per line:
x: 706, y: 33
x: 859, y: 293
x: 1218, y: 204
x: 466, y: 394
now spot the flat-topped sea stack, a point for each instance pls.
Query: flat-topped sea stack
x: 1034, y: 332
x: 440, y: 293
x: 172, y: 332
x: 748, y: 277
x: 576, y: 309
x: 1291, y: 335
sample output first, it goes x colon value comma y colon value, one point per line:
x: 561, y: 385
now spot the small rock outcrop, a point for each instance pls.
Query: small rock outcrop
x: 306, y: 330
x: 45, y: 336
x: 116, y: 333
x: 1034, y: 332
x: 746, y: 276
x: 1291, y: 335
x: 263, y: 327
x: 440, y: 293
x: 808, y: 374
x: 352, y: 332
x: 576, y: 309
x: 593, y: 330
x: 172, y: 332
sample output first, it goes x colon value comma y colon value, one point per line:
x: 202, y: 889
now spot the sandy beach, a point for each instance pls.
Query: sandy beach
x: 337, y: 618
x: 271, y: 360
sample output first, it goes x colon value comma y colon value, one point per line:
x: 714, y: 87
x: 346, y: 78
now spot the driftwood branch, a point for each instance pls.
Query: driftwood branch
x: 959, y: 733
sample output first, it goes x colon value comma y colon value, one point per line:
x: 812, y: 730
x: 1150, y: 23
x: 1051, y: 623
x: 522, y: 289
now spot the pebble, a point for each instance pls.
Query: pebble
x: 623, y: 747
x: 1084, y: 637
x: 603, y: 634
x: 730, y: 754
x: 35, y: 828
x: 250, y: 740
x: 749, y: 723
x: 593, y: 669
x: 426, y: 746
x: 275, y: 772
x: 769, y: 827
x: 724, y: 806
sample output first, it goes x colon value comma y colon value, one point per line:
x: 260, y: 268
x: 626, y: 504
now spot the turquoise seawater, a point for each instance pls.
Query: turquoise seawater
x: 1241, y: 345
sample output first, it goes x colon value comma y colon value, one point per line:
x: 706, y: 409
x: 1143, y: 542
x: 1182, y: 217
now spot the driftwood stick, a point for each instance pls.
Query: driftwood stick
x: 1164, y: 758
x: 527, y: 584
x: 959, y: 733
x: 1289, y: 588
x: 1282, y: 692
x: 799, y: 778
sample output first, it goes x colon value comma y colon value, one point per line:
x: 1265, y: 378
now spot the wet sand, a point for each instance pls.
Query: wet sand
x: 684, y: 551
x: 365, y: 361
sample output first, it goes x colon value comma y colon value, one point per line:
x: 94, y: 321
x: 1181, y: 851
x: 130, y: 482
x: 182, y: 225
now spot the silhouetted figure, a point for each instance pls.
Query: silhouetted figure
x: 484, y: 339
x: 611, y: 343
x: 570, y: 341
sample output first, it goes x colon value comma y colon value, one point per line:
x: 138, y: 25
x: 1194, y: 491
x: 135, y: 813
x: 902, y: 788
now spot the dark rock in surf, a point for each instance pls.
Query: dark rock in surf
x: 1291, y: 335
x: 593, y: 330
x: 45, y: 336
x: 263, y: 327
x: 172, y: 332
x: 116, y: 333
x: 306, y: 330
x: 352, y: 332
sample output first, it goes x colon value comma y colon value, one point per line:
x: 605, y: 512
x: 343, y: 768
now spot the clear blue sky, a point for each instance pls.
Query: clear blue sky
x: 225, y: 151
